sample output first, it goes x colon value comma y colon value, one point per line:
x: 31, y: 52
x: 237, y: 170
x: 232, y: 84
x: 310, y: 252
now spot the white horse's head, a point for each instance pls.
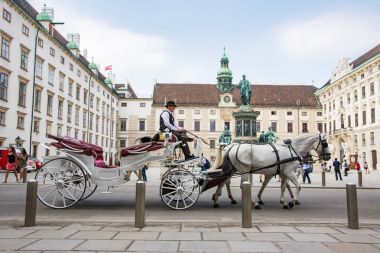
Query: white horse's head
x: 322, y: 148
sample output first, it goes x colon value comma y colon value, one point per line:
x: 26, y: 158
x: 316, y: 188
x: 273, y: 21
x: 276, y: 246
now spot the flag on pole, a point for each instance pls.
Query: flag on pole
x: 108, y: 67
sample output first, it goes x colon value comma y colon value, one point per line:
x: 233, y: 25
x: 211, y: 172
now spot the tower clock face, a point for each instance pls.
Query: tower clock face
x: 226, y: 99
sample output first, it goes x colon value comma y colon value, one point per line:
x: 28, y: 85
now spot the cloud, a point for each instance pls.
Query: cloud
x: 129, y: 52
x: 334, y: 33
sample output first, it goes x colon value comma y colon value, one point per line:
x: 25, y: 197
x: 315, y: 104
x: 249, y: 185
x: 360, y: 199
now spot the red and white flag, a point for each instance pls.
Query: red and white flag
x: 108, y: 67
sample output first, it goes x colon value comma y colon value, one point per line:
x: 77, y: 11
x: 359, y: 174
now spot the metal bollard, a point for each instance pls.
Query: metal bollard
x: 323, y: 178
x: 352, y: 206
x: 31, y: 203
x: 360, y: 178
x: 140, y: 204
x: 246, y: 205
x: 24, y: 175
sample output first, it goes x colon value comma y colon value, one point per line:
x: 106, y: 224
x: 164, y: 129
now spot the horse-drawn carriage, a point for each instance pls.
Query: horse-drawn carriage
x: 72, y: 176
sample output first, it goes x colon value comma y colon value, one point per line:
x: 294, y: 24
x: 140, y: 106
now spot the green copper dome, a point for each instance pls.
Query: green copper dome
x: 224, y: 75
x: 223, y: 71
x: 92, y: 66
x: 108, y: 81
x: 44, y: 16
x: 72, y: 45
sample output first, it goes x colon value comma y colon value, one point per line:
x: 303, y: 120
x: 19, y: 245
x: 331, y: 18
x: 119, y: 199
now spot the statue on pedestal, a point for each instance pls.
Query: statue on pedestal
x: 225, y: 137
x: 245, y: 91
x: 270, y: 136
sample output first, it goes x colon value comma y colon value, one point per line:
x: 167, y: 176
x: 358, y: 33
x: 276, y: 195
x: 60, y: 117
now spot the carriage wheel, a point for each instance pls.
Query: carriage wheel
x: 90, y: 188
x: 179, y: 189
x: 61, y: 183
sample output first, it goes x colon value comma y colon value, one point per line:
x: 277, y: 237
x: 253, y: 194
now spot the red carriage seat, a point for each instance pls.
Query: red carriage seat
x: 141, y: 148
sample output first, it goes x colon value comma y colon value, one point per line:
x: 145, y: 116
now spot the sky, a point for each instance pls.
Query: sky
x: 177, y: 41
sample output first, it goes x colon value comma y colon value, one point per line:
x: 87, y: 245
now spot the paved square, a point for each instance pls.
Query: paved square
x: 253, y: 247
x: 53, y: 244
x: 356, y: 238
x: 14, y: 244
x: 137, y: 236
x: 52, y: 234
x: 180, y: 236
x: 154, y: 246
x: 223, y: 236
x: 268, y: 237
x: 204, y: 246
x: 352, y: 248
x: 96, y: 235
x: 14, y: 233
x: 277, y: 229
x: 303, y: 237
x: 105, y: 245
x: 302, y: 247
x: 200, y: 227
x: 317, y: 230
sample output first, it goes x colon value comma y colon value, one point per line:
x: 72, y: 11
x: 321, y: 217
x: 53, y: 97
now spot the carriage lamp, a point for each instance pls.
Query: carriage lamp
x: 18, y: 141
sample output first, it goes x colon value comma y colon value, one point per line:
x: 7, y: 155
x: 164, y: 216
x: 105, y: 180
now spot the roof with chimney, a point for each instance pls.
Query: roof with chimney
x: 33, y: 13
x: 186, y: 94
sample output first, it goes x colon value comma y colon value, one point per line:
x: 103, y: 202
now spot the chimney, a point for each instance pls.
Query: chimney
x: 85, y: 53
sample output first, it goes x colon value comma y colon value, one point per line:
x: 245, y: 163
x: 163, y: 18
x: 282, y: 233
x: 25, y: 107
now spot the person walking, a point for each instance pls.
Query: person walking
x: 143, y: 172
x: 22, y: 162
x: 336, y: 165
x: 365, y: 167
x: 306, y: 169
x: 11, y: 164
x: 345, y: 167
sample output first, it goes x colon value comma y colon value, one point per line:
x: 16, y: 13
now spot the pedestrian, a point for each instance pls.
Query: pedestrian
x: 336, y: 165
x: 365, y: 167
x: 346, y: 168
x: 204, y: 164
x: 306, y: 170
x: 11, y: 164
x: 357, y: 166
x: 22, y: 162
x: 143, y: 172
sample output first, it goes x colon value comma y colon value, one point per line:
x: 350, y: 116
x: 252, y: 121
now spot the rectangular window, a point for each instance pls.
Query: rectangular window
x: 123, y: 125
x: 364, y: 115
x: 304, y: 114
x: 348, y: 98
x: 22, y: 94
x: 59, y: 131
x: 70, y: 87
x: 197, y: 112
x: 356, y: 119
x: 355, y: 96
x: 227, y: 124
x: 372, y: 138
x: 92, y: 101
x: 289, y: 113
x: 123, y: 104
x: 273, y: 113
x: 39, y: 64
x: 36, y: 125
x: 290, y: 127
x: 274, y: 126
x: 197, y: 125
x: 181, y: 111
x: 78, y: 93
x: 319, y: 114
x: 62, y: 59
x: 79, y: 73
x: 97, y: 124
x: 334, y: 125
x: 51, y: 75
x: 49, y: 105
x: 141, y: 125
x: 85, y: 95
x: 84, y: 118
x: 60, y: 109
x: 349, y: 120
x: 341, y: 102
x: 52, y: 52
x: 371, y: 89
x: 69, y: 112
x: 212, y: 112
x: 363, y: 139
x: 7, y: 15
x: 122, y: 143
x: 258, y: 127
x: 320, y: 127
x: 20, y: 122
x: 181, y: 123
x: 3, y: 86
x: 24, y: 59
x: 212, y: 126
x: 77, y: 109
x: 40, y: 42
x: 363, y: 92
x: 97, y: 103
x: 304, y: 128
x: 2, y: 118
x: 212, y: 143
x: 373, y: 115
x: 61, y: 81
x: 37, y: 100
x: 71, y: 67
x: 5, y: 44
x: 91, y: 121
x: 142, y: 104
x: 25, y: 30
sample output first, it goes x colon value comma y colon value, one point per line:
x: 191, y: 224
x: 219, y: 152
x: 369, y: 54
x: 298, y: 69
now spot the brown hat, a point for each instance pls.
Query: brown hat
x: 170, y: 103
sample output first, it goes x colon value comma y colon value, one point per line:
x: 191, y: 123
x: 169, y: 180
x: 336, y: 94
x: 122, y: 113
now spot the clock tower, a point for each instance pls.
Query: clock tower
x: 224, y: 75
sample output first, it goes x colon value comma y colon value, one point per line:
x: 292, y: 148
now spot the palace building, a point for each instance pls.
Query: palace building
x: 48, y: 87
x: 350, y: 101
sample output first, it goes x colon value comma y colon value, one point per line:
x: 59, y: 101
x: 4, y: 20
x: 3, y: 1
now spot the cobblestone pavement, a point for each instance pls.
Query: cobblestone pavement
x: 188, y: 237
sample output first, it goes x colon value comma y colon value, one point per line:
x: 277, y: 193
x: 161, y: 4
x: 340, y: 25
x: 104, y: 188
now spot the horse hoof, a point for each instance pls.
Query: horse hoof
x: 291, y: 205
x: 297, y: 203
x: 285, y: 207
x: 261, y: 202
x: 216, y: 206
x: 258, y: 207
x: 233, y: 202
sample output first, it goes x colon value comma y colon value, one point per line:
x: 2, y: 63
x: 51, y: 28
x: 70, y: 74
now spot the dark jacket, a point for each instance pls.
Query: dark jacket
x: 336, y: 164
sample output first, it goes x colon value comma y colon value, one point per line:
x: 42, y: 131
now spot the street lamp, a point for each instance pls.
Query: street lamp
x: 18, y: 141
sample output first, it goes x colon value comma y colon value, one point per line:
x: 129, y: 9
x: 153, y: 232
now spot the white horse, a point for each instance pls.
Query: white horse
x: 271, y: 159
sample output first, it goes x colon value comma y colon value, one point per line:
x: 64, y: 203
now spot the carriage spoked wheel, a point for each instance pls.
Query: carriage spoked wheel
x: 179, y: 189
x: 89, y: 188
x: 61, y: 183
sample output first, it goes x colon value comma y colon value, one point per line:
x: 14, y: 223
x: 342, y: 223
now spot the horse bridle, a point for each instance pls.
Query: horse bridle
x: 324, y: 144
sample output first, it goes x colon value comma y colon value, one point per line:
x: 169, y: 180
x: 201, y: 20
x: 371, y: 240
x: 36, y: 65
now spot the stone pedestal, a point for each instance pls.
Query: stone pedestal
x: 245, y: 124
